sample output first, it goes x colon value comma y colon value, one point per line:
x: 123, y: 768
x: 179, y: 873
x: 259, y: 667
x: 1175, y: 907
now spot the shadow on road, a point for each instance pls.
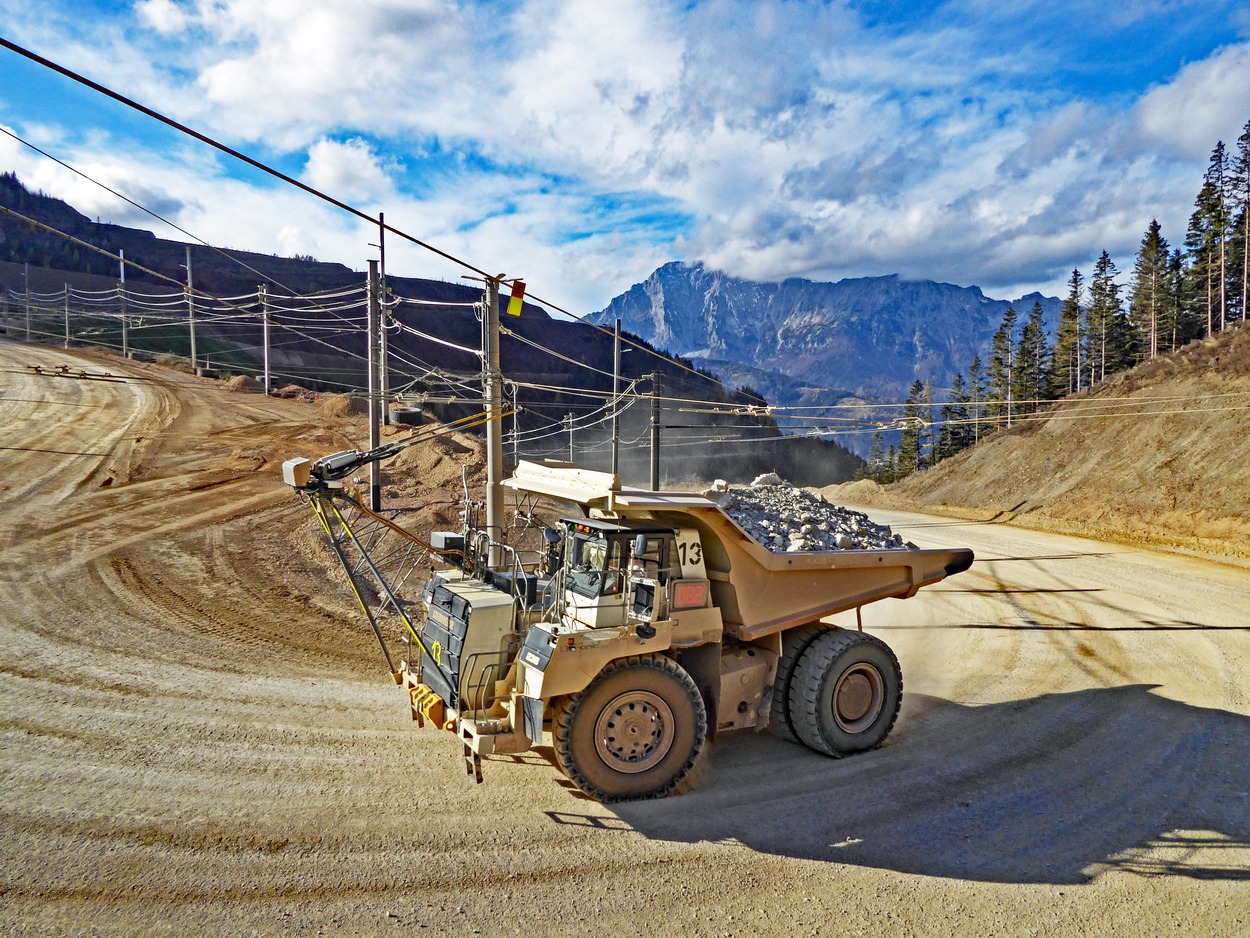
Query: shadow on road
x: 1056, y: 789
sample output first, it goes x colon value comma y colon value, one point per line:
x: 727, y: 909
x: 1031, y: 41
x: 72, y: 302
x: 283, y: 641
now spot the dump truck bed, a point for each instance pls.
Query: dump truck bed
x: 759, y: 592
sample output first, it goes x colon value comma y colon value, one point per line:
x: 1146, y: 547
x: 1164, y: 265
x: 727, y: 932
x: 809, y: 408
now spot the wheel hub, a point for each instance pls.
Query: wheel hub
x: 858, y: 698
x: 634, y: 731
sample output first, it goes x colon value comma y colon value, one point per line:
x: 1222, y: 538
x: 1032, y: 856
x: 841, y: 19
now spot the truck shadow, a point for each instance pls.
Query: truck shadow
x: 1055, y: 789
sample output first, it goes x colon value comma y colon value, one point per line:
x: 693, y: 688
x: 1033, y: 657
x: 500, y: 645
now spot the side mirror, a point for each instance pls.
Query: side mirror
x: 640, y: 545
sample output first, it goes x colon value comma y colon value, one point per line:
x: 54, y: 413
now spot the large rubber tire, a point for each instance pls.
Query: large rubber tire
x: 558, y: 711
x: 793, y: 644
x: 636, y: 732
x: 845, y: 694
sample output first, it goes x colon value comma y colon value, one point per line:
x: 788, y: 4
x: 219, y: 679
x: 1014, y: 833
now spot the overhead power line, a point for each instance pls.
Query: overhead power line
x: 242, y: 157
x: 99, y: 250
x: 143, y: 208
x: 317, y: 193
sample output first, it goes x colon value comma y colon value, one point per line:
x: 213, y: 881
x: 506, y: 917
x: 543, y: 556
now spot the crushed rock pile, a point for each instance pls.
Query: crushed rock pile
x: 243, y: 383
x: 786, y: 519
x: 295, y: 392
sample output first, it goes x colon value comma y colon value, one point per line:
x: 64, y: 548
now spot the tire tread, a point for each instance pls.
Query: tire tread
x: 565, y: 714
x: 793, y: 643
x: 807, y: 684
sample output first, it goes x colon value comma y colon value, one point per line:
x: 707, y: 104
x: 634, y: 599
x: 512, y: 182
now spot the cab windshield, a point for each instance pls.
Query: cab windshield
x: 595, y: 565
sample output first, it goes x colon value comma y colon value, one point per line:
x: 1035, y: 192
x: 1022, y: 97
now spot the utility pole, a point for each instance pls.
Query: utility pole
x: 492, y: 388
x: 568, y: 423
x: 385, y: 372
x: 655, y: 431
x: 26, y: 275
x: 375, y: 402
x: 509, y: 394
x: 67, y: 315
x: 263, y: 294
x: 191, y: 308
x: 616, y: 399
x: 121, y: 293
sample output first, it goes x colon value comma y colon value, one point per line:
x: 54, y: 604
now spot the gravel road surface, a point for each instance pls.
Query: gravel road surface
x: 196, y: 734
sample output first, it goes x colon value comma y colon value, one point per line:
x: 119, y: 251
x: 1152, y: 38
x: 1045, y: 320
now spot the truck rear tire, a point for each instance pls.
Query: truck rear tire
x: 793, y: 643
x: 845, y: 693
x: 636, y: 732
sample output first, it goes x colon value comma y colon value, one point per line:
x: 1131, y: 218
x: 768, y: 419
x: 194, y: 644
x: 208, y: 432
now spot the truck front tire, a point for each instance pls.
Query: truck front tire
x: 845, y: 693
x: 636, y: 732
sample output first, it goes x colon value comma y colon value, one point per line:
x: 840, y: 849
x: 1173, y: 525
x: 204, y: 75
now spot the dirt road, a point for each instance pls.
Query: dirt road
x: 197, y: 734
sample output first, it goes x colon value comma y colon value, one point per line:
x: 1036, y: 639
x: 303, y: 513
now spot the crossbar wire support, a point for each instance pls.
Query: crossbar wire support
x: 493, y: 393
x: 375, y: 393
x: 191, y: 308
x: 121, y: 293
x: 384, y: 372
x: 263, y: 295
x: 655, y: 431
x: 616, y: 398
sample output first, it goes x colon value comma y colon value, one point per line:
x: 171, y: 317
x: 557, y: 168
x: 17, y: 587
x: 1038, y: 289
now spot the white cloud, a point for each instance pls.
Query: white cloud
x: 349, y: 170
x: 797, y: 139
x: 1207, y: 101
x: 289, y: 71
x: 164, y: 16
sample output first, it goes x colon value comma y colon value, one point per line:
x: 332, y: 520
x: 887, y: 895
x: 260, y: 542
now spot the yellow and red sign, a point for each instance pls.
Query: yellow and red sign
x: 517, y: 300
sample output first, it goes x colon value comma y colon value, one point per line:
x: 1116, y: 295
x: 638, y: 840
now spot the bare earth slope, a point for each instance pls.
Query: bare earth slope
x: 196, y: 734
x: 1159, y: 455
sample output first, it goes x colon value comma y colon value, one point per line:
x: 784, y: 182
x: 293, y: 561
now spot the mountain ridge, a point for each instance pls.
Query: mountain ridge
x: 558, y: 369
x: 861, y: 336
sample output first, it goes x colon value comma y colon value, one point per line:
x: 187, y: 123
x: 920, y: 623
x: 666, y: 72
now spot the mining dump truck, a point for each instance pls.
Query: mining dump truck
x: 638, y: 630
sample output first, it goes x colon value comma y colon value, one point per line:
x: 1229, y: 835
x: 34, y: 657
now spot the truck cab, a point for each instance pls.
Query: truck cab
x: 617, y: 571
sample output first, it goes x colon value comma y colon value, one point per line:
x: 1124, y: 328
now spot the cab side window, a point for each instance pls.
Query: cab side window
x: 651, y: 562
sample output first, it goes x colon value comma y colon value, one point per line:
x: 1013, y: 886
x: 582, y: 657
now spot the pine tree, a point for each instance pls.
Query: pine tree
x: 1065, y: 362
x: 1206, y: 241
x: 930, y: 424
x: 1106, y: 338
x: 1123, y: 339
x: 976, y: 396
x: 1182, y: 321
x: 874, y: 468
x: 1002, y: 367
x: 1148, y: 301
x: 954, y: 435
x: 910, y: 445
x: 1240, y: 209
x: 1033, y: 361
x: 1220, y: 181
x: 1198, y: 286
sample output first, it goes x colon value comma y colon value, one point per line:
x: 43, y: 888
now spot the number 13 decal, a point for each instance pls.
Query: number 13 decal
x: 695, y: 553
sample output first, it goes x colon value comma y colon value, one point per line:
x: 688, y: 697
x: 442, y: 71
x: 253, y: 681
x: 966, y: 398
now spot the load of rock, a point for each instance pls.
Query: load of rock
x: 786, y: 519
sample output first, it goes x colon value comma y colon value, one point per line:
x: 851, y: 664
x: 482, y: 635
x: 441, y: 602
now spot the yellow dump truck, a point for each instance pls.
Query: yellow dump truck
x: 635, y: 632
x: 651, y: 622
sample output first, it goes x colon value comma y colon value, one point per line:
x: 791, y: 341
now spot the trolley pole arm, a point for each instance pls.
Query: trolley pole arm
x: 318, y: 504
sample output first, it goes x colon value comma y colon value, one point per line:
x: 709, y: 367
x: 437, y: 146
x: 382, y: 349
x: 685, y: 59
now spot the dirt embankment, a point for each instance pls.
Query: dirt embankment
x: 1159, y: 455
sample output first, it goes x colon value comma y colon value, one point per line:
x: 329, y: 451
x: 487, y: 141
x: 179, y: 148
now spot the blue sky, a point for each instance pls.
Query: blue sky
x: 582, y: 144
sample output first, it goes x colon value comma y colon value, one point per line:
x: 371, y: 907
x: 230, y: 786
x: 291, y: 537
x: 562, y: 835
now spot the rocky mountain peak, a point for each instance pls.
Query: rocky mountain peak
x: 871, y: 336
